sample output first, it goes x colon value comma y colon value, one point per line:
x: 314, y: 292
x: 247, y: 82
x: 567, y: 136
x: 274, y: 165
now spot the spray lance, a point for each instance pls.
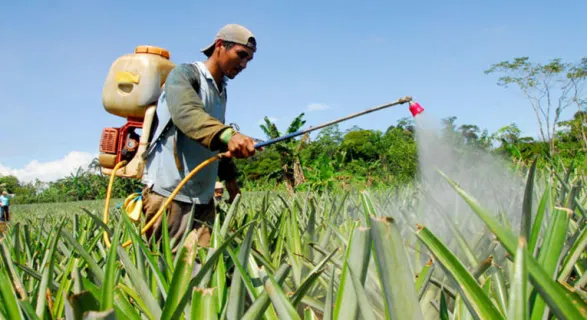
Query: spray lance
x: 415, y: 109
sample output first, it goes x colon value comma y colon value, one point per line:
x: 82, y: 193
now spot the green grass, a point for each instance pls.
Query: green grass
x: 368, y: 255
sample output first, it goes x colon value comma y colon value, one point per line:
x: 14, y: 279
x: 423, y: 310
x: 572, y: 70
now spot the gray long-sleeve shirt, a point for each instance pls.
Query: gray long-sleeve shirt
x: 198, y: 119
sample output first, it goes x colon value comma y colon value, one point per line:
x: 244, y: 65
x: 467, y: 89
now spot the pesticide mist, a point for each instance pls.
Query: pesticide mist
x: 482, y: 175
x: 433, y: 203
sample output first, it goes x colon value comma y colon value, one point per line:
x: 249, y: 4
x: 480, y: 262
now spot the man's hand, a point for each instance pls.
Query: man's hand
x: 233, y: 190
x: 241, y: 146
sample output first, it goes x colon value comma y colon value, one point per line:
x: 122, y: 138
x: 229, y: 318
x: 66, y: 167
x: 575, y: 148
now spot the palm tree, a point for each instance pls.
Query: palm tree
x: 95, y: 166
x: 292, y: 172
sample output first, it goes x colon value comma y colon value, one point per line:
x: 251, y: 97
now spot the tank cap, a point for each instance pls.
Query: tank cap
x: 153, y: 50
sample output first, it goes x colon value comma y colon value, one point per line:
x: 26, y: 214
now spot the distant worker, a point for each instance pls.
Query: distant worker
x: 5, y: 206
x: 218, y: 191
x: 190, y: 130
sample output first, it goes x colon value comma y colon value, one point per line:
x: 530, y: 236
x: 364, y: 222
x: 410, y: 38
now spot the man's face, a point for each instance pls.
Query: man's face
x: 234, y: 60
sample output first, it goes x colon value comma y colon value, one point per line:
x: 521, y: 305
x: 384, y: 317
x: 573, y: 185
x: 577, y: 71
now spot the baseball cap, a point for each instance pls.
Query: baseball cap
x: 218, y: 185
x: 233, y: 33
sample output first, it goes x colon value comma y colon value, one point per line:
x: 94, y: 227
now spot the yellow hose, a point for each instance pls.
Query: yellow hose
x: 108, y: 193
x: 165, y: 204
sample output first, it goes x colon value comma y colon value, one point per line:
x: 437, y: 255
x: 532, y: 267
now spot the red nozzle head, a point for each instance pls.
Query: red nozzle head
x: 415, y: 108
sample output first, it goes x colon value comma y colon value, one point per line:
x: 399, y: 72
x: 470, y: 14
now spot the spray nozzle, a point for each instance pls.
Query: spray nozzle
x: 415, y: 108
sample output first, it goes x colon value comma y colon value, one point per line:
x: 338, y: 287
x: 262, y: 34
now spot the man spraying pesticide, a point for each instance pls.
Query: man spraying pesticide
x: 178, y: 157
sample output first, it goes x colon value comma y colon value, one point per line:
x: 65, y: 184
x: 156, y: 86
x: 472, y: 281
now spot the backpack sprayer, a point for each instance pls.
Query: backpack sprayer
x: 133, y: 86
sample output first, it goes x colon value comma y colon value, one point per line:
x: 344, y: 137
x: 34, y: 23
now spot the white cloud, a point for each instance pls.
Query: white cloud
x: 317, y: 107
x: 52, y: 170
x: 272, y: 119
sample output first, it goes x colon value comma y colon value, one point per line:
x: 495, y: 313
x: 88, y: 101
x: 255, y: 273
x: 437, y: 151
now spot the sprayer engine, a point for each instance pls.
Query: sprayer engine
x: 133, y: 85
x: 119, y: 144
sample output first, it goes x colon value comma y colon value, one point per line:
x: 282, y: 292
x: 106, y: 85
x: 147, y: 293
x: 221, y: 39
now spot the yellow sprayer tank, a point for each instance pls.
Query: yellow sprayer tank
x: 135, y: 81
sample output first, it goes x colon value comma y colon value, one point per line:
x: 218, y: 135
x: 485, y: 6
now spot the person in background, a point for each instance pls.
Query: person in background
x: 5, y: 206
x: 218, y: 191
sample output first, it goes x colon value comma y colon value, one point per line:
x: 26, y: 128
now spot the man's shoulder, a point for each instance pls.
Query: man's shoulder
x: 182, y: 73
x: 186, y: 69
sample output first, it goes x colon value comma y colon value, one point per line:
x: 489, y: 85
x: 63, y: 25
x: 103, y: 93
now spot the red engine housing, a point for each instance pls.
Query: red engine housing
x: 122, y: 142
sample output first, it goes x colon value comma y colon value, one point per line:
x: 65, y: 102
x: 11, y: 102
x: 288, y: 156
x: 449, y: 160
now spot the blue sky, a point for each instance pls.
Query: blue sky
x: 348, y: 56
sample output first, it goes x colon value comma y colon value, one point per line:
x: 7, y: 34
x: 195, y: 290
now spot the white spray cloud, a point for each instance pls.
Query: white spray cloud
x: 51, y: 170
x: 486, y: 177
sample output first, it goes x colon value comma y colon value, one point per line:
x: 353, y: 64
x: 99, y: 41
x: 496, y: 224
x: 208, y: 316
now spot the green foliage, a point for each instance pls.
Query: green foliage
x: 287, y: 153
x: 10, y: 183
x: 83, y: 185
x: 360, y: 156
x: 550, y: 89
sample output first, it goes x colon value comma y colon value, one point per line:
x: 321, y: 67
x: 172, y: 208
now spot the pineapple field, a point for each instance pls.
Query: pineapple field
x: 471, y: 206
x: 358, y: 254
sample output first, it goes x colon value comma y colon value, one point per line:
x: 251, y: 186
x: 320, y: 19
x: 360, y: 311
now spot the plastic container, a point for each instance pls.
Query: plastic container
x: 135, y: 81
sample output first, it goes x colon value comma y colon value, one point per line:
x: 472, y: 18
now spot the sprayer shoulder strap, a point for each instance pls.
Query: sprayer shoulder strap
x: 161, y: 131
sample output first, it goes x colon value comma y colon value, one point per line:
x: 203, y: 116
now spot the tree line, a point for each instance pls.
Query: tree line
x: 374, y: 158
